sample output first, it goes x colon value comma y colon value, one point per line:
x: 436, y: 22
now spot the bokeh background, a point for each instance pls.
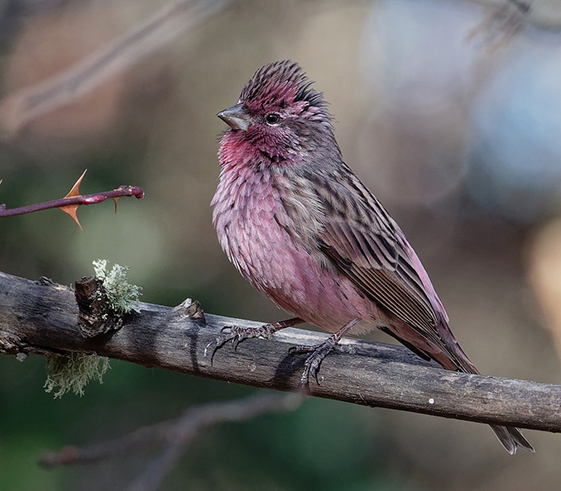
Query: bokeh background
x: 449, y: 110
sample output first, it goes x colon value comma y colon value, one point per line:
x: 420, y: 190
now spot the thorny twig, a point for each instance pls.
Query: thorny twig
x: 86, y: 199
x: 70, y: 203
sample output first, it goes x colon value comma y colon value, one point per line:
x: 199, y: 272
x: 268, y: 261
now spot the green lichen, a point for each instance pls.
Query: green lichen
x: 122, y: 295
x: 73, y: 372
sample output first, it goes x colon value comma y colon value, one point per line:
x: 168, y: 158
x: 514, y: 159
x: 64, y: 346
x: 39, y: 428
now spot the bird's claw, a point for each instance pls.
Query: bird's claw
x: 313, y: 362
x: 227, y: 333
x: 237, y: 334
x: 226, y: 328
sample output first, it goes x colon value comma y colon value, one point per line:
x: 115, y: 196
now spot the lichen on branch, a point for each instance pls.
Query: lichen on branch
x: 73, y: 371
x: 123, y: 296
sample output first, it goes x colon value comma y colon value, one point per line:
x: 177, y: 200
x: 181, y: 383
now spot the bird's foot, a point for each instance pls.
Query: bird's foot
x: 313, y: 362
x: 237, y: 334
x: 318, y: 354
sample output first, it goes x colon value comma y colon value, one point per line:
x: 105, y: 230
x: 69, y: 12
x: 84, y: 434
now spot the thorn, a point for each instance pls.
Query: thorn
x: 71, y: 210
x: 116, y: 200
x: 75, y: 191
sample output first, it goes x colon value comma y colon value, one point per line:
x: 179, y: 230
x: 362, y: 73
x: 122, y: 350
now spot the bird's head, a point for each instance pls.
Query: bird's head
x: 279, y: 116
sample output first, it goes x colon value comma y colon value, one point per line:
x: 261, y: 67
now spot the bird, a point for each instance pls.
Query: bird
x: 303, y: 229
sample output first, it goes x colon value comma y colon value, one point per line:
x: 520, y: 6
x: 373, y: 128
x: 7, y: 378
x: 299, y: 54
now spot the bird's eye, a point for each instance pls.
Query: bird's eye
x: 272, y: 118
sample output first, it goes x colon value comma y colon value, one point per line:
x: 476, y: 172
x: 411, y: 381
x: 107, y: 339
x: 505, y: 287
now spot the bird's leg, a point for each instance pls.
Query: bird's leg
x: 237, y: 334
x: 319, y: 352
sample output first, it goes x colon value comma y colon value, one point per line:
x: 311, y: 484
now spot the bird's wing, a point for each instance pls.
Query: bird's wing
x: 366, y: 245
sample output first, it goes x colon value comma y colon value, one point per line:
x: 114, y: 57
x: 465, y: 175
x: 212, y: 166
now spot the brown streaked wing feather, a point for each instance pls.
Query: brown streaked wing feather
x: 364, y: 245
x: 382, y: 285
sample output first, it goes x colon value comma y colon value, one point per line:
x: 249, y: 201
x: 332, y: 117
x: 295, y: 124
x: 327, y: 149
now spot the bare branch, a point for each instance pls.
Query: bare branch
x: 502, y: 24
x: 202, y: 417
x: 42, y: 318
x: 175, y: 434
x: 26, y: 104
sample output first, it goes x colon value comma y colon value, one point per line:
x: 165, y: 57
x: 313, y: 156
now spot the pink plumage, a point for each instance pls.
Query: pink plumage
x: 301, y: 227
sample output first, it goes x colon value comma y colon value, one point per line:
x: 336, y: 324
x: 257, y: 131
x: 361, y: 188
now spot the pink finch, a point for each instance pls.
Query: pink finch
x: 304, y: 230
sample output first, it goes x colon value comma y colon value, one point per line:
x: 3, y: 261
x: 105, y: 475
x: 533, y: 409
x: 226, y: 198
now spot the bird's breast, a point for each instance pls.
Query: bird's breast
x: 268, y: 228
x: 257, y: 232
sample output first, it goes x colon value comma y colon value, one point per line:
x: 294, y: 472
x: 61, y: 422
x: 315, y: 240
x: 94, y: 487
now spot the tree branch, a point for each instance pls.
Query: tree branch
x: 174, y: 18
x: 86, y: 199
x: 73, y: 200
x: 39, y: 317
x: 177, y: 434
x: 28, y: 103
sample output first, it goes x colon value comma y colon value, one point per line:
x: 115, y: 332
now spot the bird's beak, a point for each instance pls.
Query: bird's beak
x: 235, y: 117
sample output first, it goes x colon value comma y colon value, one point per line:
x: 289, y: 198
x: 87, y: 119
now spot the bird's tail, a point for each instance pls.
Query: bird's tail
x: 511, y: 438
x: 452, y: 357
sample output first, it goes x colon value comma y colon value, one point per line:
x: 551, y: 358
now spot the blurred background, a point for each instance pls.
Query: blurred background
x: 448, y: 110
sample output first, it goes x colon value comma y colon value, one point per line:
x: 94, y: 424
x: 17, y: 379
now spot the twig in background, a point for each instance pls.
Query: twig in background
x: 24, y: 105
x: 176, y: 435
